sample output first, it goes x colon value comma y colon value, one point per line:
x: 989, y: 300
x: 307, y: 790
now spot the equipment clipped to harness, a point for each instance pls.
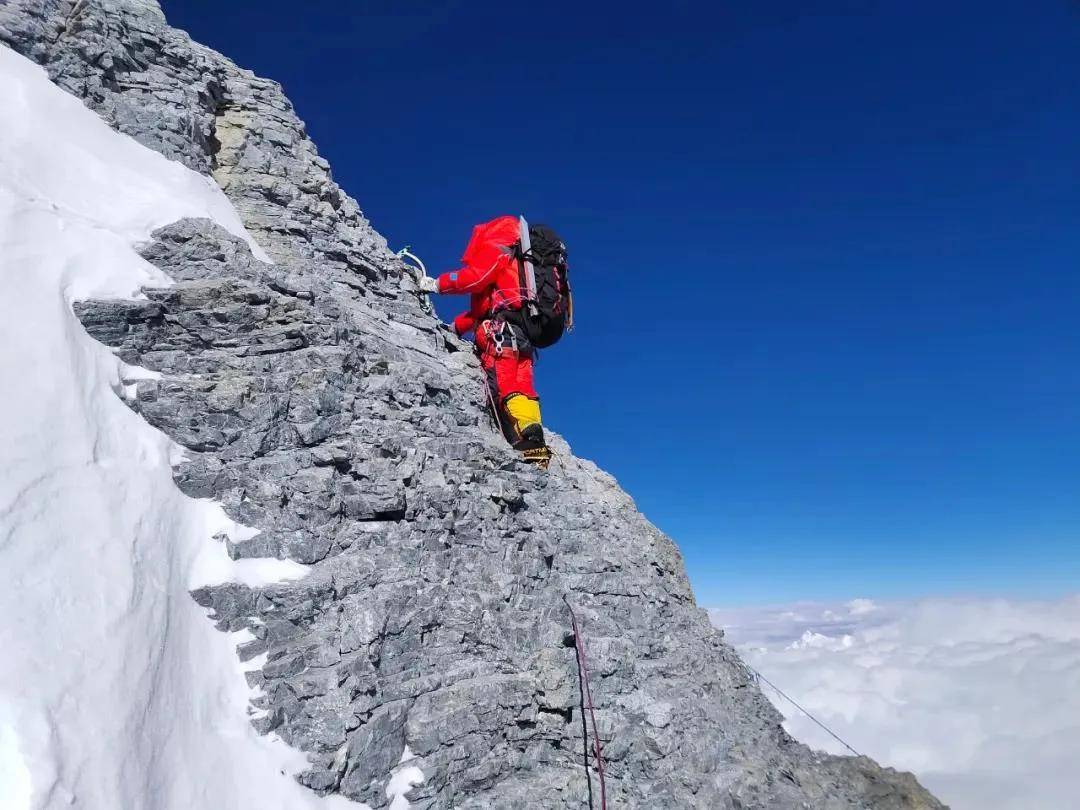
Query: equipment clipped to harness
x: 547, y: 308
x: 502, y: 336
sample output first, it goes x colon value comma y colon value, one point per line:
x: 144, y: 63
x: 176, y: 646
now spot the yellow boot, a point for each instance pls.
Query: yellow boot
x: 524, y: 415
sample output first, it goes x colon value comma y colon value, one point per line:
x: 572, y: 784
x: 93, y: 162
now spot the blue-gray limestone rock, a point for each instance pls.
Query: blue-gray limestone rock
x: 321, y: 403
x: 188, y: 102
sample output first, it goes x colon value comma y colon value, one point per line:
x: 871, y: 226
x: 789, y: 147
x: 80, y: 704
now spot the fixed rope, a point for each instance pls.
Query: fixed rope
x: 780, y: 692
x: 494, y: 407
x: 587, y: 704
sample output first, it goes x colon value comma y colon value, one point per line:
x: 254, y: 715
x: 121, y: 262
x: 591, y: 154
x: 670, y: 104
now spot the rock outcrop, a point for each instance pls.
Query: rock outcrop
x: 320, y: 402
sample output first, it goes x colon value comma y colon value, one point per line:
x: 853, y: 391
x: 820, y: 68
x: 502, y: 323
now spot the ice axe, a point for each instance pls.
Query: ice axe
x: 405, y: 253
x: 417, y: 266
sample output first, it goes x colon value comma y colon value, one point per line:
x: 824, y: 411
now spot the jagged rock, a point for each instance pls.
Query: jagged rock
x: 321, y: 403
x: 188, y: 102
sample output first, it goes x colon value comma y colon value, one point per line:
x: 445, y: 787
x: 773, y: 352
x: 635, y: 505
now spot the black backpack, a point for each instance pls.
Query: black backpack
x: 547, y: 308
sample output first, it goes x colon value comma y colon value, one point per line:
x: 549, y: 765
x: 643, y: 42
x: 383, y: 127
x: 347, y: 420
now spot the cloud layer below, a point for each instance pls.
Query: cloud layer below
x: 978, y: 697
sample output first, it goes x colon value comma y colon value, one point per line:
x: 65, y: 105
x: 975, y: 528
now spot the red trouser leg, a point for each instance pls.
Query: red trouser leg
x: 510, y: 377
x: 513, y: 372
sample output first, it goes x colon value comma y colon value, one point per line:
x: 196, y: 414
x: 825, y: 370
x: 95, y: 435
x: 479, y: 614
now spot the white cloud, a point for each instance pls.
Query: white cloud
x: 978, y: 697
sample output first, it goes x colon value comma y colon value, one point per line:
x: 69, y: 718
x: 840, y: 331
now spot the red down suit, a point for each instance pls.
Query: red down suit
x: 489, y: 275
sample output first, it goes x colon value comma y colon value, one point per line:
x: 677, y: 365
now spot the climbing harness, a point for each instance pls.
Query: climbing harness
x: 587, y: 703
x: 501, y: 336
x: 827, y: 730
x: 489, y: 383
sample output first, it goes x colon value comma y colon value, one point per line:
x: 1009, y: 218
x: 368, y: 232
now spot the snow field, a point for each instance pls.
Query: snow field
x: 115, y: 689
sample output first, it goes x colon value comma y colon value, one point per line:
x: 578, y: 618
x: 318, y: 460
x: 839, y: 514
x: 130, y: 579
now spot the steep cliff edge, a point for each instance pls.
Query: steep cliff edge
x: 321, y: 404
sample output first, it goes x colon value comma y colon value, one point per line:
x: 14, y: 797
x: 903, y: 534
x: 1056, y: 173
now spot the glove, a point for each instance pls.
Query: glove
x: 463, y: 323
x: 429, y: 284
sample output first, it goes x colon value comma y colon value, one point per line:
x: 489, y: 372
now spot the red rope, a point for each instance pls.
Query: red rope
x: 583, y: 672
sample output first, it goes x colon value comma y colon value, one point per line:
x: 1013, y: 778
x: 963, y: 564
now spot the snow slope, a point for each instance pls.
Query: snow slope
x: 116, y: 692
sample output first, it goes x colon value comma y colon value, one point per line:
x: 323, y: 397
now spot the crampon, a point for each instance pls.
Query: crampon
x: 540, y: 456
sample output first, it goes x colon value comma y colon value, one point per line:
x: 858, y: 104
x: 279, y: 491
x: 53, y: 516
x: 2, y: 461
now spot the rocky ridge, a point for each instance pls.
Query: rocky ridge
x: 321, y: 403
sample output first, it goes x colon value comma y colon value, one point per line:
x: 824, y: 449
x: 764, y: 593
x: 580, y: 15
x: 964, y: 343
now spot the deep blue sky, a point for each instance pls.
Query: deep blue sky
x: 825, y: 264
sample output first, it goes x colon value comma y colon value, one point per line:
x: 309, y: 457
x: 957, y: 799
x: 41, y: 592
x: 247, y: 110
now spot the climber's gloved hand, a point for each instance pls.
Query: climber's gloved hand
x: 429, y: 284
x: 463, y: 323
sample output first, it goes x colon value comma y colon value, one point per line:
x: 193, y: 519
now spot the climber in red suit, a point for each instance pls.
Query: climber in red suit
x: 489, y: 274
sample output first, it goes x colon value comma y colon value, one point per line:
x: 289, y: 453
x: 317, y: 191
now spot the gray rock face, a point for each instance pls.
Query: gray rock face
x: 320, y: 402
x: 191, y: 104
